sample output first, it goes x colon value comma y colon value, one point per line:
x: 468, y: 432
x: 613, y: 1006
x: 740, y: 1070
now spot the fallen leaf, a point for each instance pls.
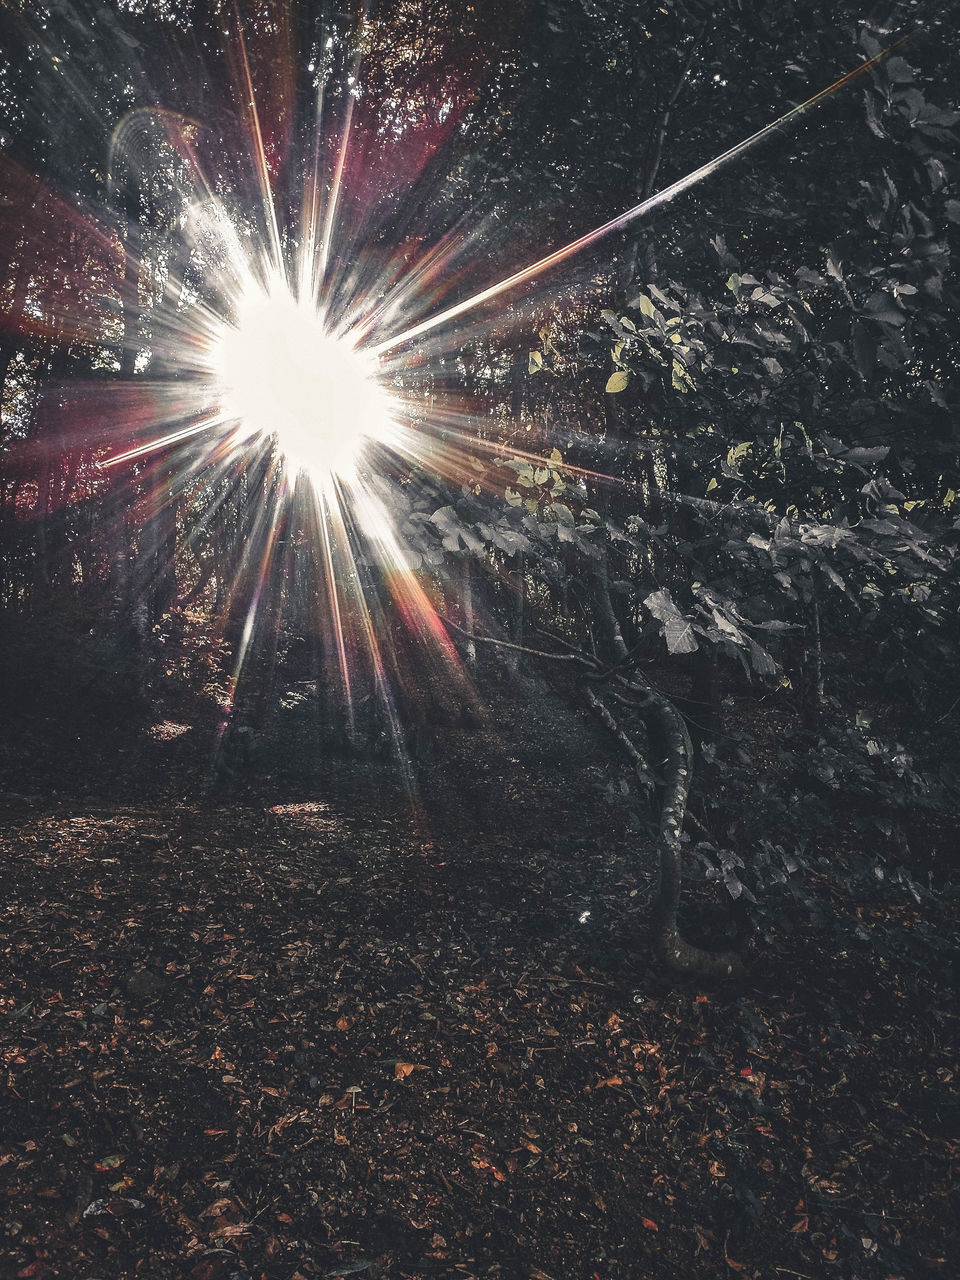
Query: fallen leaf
x: 403, y: 1069
x: 731, y: 1262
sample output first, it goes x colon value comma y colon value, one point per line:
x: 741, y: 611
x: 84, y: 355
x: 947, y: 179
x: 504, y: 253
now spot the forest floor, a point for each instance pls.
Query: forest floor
x: 320, y: 1026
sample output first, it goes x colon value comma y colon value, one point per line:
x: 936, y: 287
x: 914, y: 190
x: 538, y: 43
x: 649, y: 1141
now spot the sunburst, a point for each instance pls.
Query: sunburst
x: 281, y: 375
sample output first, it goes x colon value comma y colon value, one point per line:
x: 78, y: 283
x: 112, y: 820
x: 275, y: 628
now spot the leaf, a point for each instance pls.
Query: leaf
x: 898, y: 70
x: 763, y: 663
x: 509, y: 540
x: 881, y: 306
x: 677, y: 631
x: 876, y: 454
x: 649, y: 1224
x: 617, y: 382
x: 833, y: 269
x: 403, y: 1069
x: 645, y: 305
x: 731, y: 1262
x: 108, y: 1162
x: 806, y: 276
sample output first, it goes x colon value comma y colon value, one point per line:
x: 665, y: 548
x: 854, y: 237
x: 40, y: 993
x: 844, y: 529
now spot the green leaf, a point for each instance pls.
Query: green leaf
x: 646, y: 305
x: 617, y: 382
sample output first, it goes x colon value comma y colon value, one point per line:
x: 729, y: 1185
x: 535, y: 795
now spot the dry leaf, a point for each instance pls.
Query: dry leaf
x: 731, y: 1262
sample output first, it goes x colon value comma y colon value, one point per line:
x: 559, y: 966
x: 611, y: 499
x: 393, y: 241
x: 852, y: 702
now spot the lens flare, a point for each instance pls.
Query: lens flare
x: 279, y: 373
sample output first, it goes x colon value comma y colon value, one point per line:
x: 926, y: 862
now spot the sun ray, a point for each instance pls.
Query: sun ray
x: 275, y: 245
x: 630, y: 215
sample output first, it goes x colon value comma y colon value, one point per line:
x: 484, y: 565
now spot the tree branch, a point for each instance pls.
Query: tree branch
x: 517, y: 648
x: 654, y: 166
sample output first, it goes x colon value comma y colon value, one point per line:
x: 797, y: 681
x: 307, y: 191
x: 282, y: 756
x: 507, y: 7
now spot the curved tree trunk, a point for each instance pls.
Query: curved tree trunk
x: 665, y: 721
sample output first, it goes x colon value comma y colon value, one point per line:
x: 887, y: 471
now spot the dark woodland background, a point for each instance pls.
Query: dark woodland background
x: 292, y: 992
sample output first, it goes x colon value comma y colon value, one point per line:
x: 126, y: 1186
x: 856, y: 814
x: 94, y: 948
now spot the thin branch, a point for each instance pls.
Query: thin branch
x: 517, y: 648
x: 629, y: 747
x: 657, y: 156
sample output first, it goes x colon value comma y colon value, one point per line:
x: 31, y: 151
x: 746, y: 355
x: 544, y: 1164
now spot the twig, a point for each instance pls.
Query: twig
x: 519, y: 648
x: 948, y: 711
x: 656, y: 158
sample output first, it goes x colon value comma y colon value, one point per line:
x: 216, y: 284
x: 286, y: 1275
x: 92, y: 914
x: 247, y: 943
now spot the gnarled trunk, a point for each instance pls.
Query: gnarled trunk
x: 667, y: 725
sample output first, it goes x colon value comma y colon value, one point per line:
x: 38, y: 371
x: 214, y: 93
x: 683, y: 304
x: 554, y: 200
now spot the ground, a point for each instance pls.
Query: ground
x: 319, y: 1026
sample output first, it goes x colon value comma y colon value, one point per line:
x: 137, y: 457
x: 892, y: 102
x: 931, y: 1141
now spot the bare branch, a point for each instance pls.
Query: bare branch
x: 517, y: 648
x: 655, y: 159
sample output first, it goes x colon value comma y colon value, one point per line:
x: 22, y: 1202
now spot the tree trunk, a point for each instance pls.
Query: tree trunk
x: 466, y: 603
x: 666, y: 724
x: 811, y: 690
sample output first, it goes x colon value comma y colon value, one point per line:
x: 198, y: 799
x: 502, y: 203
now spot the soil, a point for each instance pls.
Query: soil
x: 336, y: 1020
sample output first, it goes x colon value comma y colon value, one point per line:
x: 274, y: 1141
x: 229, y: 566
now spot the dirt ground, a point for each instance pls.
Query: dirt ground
x: 328, y: 1023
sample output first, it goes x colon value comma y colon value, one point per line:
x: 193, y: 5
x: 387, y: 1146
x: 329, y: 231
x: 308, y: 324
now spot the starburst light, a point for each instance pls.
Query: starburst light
x: 280, y: 373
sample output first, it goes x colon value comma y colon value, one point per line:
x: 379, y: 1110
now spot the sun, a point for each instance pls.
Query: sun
x: 280, y: 373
